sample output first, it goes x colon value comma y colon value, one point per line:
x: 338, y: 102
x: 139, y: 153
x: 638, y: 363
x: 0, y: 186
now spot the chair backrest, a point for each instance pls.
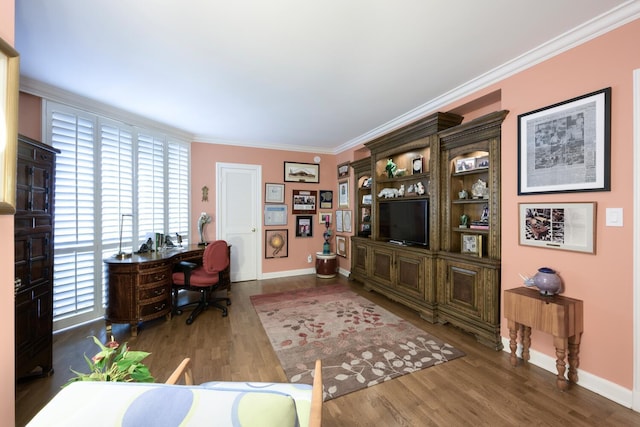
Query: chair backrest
x: 215, y: 257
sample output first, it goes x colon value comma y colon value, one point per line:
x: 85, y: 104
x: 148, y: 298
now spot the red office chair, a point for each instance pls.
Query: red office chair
x: 205, y: 279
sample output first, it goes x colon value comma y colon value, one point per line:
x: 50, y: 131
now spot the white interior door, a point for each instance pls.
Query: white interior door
x: 238, y: 201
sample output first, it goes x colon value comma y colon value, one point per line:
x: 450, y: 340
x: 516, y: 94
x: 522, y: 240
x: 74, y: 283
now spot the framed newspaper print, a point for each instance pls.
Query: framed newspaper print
x: 566, y: 147
x: 566, y: 226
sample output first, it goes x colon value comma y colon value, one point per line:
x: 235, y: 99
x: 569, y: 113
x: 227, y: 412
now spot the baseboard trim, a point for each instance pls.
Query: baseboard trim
x: 591, y: 382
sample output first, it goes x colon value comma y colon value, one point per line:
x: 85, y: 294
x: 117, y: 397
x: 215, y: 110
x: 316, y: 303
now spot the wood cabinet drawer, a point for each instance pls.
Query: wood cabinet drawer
x: 153, y: 292
x: 155, y: 309
x: 158, y: 276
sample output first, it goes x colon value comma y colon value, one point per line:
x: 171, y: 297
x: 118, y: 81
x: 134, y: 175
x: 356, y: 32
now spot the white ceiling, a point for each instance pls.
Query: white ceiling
x: 294, y: 74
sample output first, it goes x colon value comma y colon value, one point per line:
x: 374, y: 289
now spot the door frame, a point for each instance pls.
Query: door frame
x: 258, y: 212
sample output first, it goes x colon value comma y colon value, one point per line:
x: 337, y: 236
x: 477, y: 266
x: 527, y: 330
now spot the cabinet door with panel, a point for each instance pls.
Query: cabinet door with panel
x: 33, y: 258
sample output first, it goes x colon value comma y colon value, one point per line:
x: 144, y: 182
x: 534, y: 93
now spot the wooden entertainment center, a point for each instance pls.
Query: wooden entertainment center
x: 455, y: 278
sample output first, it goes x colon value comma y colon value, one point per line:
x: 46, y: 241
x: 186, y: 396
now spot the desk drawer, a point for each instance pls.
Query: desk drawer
x: 153, y: 292
x: 160, y: 275
x: 153, y: 309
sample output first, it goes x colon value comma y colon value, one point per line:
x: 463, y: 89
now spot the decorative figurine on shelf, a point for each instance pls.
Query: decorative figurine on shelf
x: 168, y: 243
x: 366, y: 183
x: 462, y: 194
x: 389, y: 193
x: 391, y: 168
x: 464, y: 221
x: 420, y: 188
x: 179, y: 239
x: 401, y: 191
x: 479, y: 190
x: 202, y: 221
x: 146, y: 247
x: 326, y: 247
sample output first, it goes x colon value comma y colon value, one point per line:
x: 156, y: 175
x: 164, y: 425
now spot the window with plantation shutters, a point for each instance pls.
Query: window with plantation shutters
x: 74, y: 277
x: 108, y: 174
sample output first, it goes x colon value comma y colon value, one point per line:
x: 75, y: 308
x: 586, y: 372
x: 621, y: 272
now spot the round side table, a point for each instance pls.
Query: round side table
x: 326, y: 265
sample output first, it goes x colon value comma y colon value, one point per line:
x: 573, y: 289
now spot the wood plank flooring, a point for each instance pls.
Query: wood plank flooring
x: 479, y: 389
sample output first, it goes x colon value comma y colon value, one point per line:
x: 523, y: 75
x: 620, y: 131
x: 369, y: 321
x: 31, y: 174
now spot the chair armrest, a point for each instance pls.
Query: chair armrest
x: 186, y: 267
x: 183, y: 368
x: 315, y: 418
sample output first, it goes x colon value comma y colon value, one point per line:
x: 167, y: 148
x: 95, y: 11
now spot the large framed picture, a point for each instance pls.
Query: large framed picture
x: 343, y: 193
x: 301, y: 172
x: 566, y: 147
x: 276, y: 243
x: 273, y: 193
x: 9, y: 83
x: 304, y: 226
x: 304, y: 202
x: 567, y: 226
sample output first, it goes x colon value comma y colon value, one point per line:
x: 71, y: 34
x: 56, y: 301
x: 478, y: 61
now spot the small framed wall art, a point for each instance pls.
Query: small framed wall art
x: 276, y: 243
x: 343, y: 193
x: 301, y: 172
x: 341, y: 246
x: 304, y: 202
x: 343, y: 170
x: 326, y: 199
x: 304, y: 226
x: 273, y: 193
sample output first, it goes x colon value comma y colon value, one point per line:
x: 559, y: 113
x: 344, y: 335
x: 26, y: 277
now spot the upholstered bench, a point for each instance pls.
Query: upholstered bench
x: 214, y: 403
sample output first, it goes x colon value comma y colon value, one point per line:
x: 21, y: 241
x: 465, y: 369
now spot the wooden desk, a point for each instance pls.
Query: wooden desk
x: 139, y: 288
x: 557, y: 315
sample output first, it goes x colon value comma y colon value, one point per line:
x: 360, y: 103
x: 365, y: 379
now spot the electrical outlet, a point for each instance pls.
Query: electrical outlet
x: 309, y: 259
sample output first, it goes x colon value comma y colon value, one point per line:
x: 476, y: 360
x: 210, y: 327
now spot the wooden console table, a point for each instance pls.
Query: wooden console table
x: 557, y: 315
x: 139, y: 287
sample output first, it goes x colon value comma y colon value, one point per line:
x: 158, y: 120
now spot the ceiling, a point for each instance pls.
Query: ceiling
x: 294, y: 74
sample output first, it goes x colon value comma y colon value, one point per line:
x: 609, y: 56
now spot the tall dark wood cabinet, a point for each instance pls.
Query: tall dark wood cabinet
x: 34, y: 258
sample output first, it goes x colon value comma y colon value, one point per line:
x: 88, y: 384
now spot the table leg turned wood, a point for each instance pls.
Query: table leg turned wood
x: 513, y: 341
x: 574, y: 357
x: 526, y: 342
x: 561, y: 349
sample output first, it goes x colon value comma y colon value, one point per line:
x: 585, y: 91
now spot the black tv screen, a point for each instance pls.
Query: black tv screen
x: 404, y: 221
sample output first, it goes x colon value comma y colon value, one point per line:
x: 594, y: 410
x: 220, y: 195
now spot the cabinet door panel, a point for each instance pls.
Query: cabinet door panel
x: 411, y: 275
x: 464, y: 288
x: 382, y: 268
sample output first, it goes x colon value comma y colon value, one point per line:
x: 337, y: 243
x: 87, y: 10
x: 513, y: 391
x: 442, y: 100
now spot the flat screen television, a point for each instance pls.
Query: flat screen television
x: 404, y: 221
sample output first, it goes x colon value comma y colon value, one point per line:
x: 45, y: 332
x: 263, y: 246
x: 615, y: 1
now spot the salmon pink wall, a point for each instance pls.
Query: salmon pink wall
x: 604, y: 281
x: 203, y: 172
x: 7, y: 363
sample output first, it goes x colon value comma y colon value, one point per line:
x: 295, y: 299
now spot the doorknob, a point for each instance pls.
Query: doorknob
x: 253, y: 229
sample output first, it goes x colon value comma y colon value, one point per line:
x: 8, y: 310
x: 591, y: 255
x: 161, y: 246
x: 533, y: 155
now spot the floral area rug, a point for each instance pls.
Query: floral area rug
x: 360, y: 344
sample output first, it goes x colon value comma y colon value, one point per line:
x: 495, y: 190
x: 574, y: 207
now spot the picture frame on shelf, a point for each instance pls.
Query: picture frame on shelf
x: 367, y: 199
x: 276, y: 243
x: 566, y: 147
x: 304, y: 202
x: 466, y: 164
x: 304, y: 226
x: 567, y: 226
x: 417, y: 165
x: 343, y: 170
x: 273, y: 193
x: 326, y: 199
x: 9, y: 93
x: 482, y: 162
x: 275, y: 215
x: 301, y: 172
x: 471, y: 244
x: 342, y: 246
x: 343, y: 193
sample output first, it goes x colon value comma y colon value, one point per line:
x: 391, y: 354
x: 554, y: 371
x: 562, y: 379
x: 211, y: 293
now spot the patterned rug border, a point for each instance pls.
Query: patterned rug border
x: 364, y: 344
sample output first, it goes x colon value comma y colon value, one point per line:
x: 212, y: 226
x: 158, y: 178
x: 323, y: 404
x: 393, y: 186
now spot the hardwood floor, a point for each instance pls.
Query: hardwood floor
x: 480, y: 388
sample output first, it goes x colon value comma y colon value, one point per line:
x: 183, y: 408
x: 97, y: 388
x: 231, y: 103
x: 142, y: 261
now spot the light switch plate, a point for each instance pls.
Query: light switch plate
x: 614, y: 217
